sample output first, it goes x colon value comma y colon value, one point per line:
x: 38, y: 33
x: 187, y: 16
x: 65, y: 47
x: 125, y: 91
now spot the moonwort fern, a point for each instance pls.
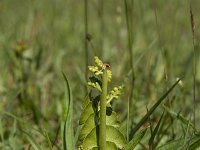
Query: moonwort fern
x: 100, y: 126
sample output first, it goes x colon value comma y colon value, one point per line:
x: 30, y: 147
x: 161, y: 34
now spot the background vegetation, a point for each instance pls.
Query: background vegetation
x: 41, y: 39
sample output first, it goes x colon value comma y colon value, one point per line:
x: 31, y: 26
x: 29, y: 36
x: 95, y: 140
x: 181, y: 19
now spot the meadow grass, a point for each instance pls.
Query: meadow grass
x: 151, y: 46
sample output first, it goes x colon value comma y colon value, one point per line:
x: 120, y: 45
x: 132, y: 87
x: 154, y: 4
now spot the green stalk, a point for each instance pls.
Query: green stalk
x: 102, y: 128
x: 129, y: 24
x: 102, y: 24
x: 194, y: 63
x: 86, y: 41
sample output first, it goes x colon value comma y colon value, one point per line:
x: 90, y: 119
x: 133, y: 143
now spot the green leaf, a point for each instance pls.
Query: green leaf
x: 89, y: 131
x: 87, y: 127
x: 86, y: 101
x: 153, y: 108
x: 109, y: 146
x: 112, y: 135
x: 90, y: 124
x: 67, y: 125
x: 135, y: 140
x: 87, y: 111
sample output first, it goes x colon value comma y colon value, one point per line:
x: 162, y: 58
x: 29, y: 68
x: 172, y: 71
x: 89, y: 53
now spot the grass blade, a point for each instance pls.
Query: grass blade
x: 48, y: 140
x: 175, y: 144
x: 129, y: 24
x: 133, y: 143
x: 153, y: 108
x: 68, y: 137
x: 196, y: 144
x: 193, y: 144
x: 151, y: 144
x: 179, y: 117
x: 34, y: 144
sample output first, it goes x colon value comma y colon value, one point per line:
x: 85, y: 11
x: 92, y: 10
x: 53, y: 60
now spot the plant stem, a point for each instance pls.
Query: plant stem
x: 102, y: 134
x: 102, y: 24
x: 129, y: 24
x: 86, y: 41
x: 194, y: 63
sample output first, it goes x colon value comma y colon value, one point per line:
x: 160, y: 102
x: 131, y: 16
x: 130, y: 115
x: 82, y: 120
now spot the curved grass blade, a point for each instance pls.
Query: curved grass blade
x: 153, y: 108
x: 68, y: 137
x: 13, y: 116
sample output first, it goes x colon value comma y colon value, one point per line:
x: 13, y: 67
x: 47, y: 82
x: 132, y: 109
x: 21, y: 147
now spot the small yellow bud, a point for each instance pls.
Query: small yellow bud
x: 98, y: 62
x: 112, y: 92
x: 115, y: 89
x: 97, y: 73
x: 120, y: 87
x: 89, y: 83
x: 90, y: 68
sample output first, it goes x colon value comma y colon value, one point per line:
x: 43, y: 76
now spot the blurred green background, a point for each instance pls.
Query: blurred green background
x: 40, y: 39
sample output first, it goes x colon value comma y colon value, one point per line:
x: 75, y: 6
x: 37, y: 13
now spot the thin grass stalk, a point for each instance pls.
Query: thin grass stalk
x: 194, y: 64
x: 129, y: 24
x: 85, y: 39
x: 102, y: 26
x: 127, y: 123
x: 153, y: 108
x: 102, y: 128
x: 48, y: 140
x: 56, y: 137
x: 165, y: 65
x: 186, y: 135
x: 160, y: 45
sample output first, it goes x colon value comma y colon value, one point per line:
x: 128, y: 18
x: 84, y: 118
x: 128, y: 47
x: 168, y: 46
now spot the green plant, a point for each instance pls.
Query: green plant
x: 100, y: 126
